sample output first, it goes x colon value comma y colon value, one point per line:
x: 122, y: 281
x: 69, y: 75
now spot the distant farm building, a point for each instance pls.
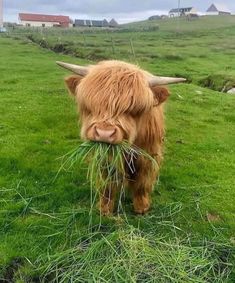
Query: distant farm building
x: 191, y: 17
x: 40, y: 20
x: 215, y: 10
x: 91, y: 23
x: 155, y: 17
x: 113, y: 24
x: 95, y: 23
x: 164, y: 17
x: 180, y: 12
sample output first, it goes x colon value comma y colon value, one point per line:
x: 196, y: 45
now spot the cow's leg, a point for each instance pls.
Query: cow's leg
x: 142, y: 185
x: 107, y: 200
x: 141, y: 200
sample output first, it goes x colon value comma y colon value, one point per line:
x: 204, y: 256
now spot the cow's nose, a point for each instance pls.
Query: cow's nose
x: 105, y: 135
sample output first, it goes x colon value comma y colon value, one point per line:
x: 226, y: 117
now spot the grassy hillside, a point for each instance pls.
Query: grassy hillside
x: 48, y: 226
x: 203, y: 52
x: 203, y: 24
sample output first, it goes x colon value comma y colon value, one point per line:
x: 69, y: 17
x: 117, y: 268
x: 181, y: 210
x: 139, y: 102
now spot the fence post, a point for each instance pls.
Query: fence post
x: 84, y: 39
x: 132, y: 48
x: 113, y: 46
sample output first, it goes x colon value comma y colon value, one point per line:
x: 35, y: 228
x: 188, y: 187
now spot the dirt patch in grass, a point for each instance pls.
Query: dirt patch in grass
x: 68, y: 48
x: 12, y: 269
x: 217, y: 82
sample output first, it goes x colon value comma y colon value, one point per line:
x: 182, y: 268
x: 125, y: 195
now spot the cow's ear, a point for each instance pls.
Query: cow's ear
x: 72, y: 82
x: 160, y: 94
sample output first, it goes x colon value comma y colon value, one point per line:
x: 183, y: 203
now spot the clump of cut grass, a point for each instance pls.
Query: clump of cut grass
x: 105, y: 163
x: 126, y: 255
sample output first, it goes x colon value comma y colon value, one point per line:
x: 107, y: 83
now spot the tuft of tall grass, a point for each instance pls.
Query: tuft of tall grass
x: 105, y: 163
x: 128, y: 255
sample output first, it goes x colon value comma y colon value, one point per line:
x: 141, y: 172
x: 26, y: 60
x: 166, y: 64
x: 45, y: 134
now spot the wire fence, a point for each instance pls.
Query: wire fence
x: 87, y: 44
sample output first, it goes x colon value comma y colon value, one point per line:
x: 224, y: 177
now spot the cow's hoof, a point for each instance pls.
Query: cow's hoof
x: 141, y: 205
x: 142, y: 211
x: 105, y: 212
x: 106, y: 208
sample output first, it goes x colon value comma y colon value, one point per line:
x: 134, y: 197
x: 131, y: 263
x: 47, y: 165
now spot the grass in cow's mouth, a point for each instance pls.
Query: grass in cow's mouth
x: 105, y: 163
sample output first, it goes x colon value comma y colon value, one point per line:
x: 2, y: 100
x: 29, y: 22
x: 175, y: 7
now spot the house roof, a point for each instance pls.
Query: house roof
x: 176, y: 10
x: 80, y: 22
x: 218, y: 8
x: 95, y: 23
x: 105, y: 22
x: 155, y: 17
x: 113, y: 23
x: 43, y: 18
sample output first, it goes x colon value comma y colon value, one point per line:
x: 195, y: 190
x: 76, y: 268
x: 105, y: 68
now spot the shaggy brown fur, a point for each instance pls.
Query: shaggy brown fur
x: 116, y: 95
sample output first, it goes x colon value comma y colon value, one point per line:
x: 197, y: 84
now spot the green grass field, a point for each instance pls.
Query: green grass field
x: 202, y: 50
x: 48, y: 231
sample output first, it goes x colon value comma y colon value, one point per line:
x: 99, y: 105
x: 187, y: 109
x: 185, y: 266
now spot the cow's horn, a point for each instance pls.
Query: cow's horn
x: 165, y: 80
x: 80, y: 70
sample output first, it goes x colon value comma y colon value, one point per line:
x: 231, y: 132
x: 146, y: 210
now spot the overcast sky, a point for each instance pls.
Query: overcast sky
x: 121, y: 10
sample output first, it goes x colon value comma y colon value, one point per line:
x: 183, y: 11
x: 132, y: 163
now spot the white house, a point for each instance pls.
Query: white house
x: 39, y: 20
x: 176, y: 12
x: 216, y: 9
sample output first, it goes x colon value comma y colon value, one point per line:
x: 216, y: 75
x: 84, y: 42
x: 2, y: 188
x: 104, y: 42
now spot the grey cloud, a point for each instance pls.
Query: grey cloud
x: 116, y: 6
x: 102, y: 8
x: 127, y: 6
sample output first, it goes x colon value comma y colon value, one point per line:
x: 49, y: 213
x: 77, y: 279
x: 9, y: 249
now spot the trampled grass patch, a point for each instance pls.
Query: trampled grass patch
x: 126, y: 255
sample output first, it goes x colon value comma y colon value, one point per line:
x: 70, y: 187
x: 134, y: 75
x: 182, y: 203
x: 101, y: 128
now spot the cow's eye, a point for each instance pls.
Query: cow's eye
x: 134, y: 114
x: 86, y: 110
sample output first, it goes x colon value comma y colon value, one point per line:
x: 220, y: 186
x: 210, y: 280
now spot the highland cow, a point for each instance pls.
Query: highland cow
x: 118, y: 101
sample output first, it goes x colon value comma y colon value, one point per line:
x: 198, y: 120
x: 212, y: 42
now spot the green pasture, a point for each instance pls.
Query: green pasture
x: 202, y: 24
x: 201, y: 50
x: 48, y: 231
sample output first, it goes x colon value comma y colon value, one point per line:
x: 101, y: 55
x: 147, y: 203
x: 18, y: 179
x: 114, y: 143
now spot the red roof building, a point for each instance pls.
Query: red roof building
x: 40, y: 20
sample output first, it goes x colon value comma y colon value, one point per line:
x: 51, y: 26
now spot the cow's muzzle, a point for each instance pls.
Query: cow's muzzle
x: 102, y: 133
